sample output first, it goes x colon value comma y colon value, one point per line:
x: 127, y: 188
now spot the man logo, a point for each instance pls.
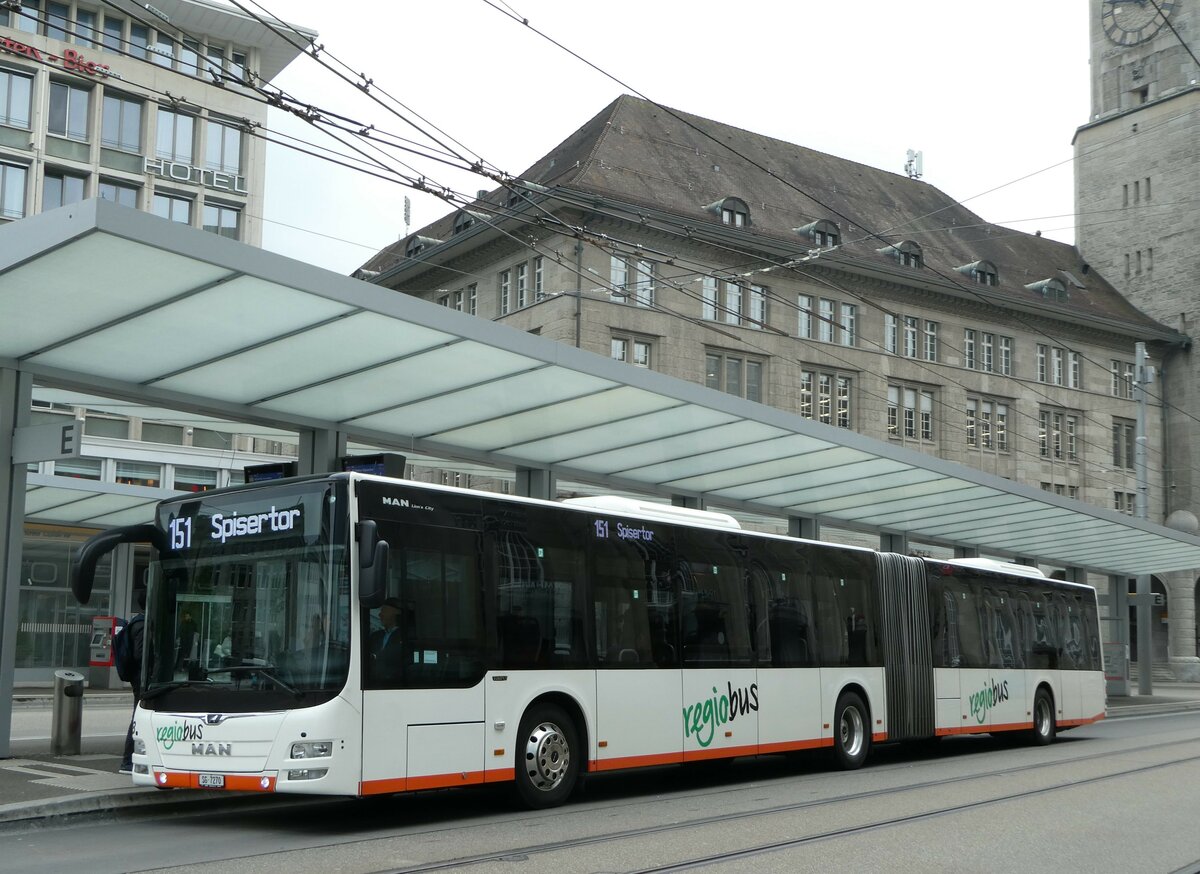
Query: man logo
x: 212, y: 749
x: 395, y: 502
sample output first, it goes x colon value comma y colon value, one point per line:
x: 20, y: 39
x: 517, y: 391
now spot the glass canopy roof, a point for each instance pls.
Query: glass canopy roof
x: 98, y: 298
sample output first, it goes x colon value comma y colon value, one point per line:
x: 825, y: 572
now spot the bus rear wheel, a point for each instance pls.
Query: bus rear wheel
x: 1043, y: 718
x: 547, y: 756
x: 851, y: 731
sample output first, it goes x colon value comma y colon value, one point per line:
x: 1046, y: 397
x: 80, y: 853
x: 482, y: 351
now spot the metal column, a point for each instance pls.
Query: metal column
x: 16, y: 396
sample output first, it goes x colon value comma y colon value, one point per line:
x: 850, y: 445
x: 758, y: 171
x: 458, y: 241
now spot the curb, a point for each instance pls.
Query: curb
x: 136, y: 799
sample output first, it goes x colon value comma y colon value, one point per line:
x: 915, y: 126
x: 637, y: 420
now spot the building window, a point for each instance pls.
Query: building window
x: 735, y: 375
x: 826, y: 397
x: 458, y: 301
x: 910, y: 336
x: 709, y: 303
x: 631, y: 350
x: 194, y: 479
x: 848, y: 324
x: 125, y: 195
x: 1122, y: 379
x: 1006, y: 355
x: 12, y: 191
x: 1051, y: 289
x: 1125, y: 502
x: 728, y: 302
x: 640, y: 289
x: 175, y: 135
x: 758, y: 307
x: 121, y: 126
x: 58, y: 15
x: 68, y: 111
x: 931, y: 341
x: 114, y: 30
x: 1124, y: 443
x: 522, y: 285
x: 505, y: 287
x: 61, y: 189
x: 910, y: 413
x: 472, y: 299
x: 225, y: 221
x: 136, y: 473
x: 1058, y: 434
x: 176, y: 209
x: 987, y: 351
x: 444, y: 300
x: 139, y: 41
x: 969, y: 348
x: 539, y: 289
x: 987, y: 424
x: 1058, y: 366
x: 16, y: 95
x: 825, y: 323
x: 890, y: 330
x: 25, y: 19
x: 85, y: 28
x: 223, y: 151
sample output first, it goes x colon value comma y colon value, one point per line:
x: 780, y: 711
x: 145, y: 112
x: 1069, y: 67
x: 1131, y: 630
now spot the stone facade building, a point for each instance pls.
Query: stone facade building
x: 1137, y: 185
x: 864, y: 299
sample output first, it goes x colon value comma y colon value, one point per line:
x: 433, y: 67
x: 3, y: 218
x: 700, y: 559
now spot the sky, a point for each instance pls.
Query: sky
x: 990, y: 92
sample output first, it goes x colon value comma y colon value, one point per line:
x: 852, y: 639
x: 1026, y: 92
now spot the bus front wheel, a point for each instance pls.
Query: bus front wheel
x: 1043, y: 718
x: 548, y: 756
x: 851, y: 731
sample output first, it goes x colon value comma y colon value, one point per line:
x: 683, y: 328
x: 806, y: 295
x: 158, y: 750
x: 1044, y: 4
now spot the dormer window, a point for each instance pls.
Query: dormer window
x: 1051, y: 289
x: 823, y: 233
x: 462, y: 221
x: 732, y: 211
x: 417, y: 244
x: 983, y: 272
x: 907, y: 254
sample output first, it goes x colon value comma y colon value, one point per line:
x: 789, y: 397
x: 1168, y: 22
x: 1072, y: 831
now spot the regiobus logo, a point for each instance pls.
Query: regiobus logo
x: 700, y: 720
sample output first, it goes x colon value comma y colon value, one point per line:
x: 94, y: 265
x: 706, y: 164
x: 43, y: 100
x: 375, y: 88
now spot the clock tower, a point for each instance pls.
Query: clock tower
x: 1137, y: 202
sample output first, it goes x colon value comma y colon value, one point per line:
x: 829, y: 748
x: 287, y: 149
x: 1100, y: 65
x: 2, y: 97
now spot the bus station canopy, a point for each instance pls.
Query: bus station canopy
x: 101, y: 299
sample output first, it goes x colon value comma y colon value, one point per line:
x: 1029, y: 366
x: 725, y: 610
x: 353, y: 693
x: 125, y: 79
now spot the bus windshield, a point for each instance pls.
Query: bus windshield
x: 249, y: 603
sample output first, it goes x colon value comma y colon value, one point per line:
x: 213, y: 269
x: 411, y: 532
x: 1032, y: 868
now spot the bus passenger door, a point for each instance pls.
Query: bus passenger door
x: 423, y: 664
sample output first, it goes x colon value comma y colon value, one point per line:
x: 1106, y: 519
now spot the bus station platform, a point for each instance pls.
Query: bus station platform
x: 36, y: 785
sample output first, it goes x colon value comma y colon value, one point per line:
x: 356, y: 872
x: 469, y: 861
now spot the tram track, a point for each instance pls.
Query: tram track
x: 522, y: 853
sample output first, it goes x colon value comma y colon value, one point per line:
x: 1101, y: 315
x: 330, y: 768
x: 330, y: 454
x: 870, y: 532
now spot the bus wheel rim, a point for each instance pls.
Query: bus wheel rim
x: 547, y: 756
x: 852, y: 731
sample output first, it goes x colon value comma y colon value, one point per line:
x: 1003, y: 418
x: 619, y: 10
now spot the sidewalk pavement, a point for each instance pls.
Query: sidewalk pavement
x: 36, y: 785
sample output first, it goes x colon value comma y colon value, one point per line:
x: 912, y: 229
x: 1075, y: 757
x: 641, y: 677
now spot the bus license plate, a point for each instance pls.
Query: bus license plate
x: 212, y: 781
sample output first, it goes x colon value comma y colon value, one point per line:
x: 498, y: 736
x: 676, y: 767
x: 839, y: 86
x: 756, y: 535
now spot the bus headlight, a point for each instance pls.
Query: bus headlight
x: 316, y: 749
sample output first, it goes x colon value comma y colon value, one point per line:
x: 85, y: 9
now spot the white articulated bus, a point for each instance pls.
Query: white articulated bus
x: 349, y: 634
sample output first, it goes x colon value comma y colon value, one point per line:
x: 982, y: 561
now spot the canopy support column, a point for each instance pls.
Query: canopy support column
x: 536, y: 482
x: 16, y: 397
x: 806, y: 527
x: 320, y: 451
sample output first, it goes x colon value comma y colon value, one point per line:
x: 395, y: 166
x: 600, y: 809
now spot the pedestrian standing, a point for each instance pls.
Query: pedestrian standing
x: 136, y: 629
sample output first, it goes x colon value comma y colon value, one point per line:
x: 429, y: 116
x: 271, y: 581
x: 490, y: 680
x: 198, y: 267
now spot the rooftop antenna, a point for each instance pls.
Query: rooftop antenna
x: 915, y: 165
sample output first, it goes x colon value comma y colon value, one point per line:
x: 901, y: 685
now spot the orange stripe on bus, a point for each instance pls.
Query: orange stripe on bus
x: 793, y: 745
x: 621, y: 762
x: 430, y: 781
x: 722, y: 753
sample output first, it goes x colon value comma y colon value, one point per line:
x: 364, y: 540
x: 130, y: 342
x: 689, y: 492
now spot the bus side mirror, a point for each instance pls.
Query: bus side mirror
x: 372, y: 564
x: 83, y: 569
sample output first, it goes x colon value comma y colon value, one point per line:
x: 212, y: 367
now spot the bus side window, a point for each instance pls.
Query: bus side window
x: 713, y: 619
x: 789, y: 607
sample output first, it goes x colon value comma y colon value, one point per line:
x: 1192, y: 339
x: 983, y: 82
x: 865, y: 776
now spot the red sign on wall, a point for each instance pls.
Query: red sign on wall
x: 70, y: 59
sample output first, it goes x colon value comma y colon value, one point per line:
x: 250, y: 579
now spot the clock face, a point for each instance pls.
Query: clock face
x: 1129, y: 22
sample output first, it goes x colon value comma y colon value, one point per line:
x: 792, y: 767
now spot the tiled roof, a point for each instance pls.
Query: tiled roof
x: 642, y: 154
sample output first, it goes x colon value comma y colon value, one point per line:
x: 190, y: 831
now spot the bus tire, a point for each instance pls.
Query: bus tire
x: 851, y: 732
x: 547, y: 757
x: 1043, y: 719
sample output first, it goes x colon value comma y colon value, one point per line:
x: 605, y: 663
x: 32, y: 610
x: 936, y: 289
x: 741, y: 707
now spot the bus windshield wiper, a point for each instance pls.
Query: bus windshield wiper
x: 155, y: 691
x: 267, y: 672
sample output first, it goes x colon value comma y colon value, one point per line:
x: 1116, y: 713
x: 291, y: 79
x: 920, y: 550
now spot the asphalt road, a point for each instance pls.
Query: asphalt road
x: 1118, y: 796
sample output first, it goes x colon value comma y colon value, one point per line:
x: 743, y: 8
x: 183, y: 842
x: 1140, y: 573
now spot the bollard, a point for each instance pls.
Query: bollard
x: 67, y: 716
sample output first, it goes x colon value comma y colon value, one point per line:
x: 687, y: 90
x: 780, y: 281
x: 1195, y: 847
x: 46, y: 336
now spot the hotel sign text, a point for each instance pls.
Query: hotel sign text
x: 195, y: 175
